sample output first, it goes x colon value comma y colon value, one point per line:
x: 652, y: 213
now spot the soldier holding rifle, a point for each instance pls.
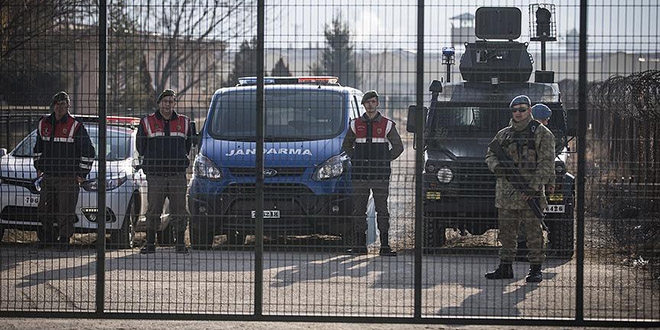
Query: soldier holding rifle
x: 522, y: 157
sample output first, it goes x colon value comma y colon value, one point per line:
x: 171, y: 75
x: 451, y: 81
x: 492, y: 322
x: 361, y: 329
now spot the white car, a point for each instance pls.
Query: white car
x: 126, y: 187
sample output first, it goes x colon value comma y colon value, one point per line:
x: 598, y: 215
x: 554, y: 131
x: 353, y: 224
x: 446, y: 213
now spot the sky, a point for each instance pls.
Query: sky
x: 377, y: 25
x: 625, y: 25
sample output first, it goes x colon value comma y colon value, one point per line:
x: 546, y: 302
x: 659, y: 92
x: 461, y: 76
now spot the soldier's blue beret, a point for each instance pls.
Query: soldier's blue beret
x: 520, y: 99
x: 541, y: 111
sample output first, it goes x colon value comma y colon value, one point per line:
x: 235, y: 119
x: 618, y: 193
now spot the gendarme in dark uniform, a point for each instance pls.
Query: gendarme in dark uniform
x: 164, y: 140
x: 372, y: 142
x: 64, y: 155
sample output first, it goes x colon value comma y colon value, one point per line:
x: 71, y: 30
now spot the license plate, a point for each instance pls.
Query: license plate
x: 31, y: 200
x: 554, y: 209
x: 268, y: 214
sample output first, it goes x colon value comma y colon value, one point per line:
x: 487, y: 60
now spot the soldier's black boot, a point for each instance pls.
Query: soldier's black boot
x: 535, y: 275
x: 150, y: 247
x: 181, y: 241
x: 503, y: 271
x: 385, y: 249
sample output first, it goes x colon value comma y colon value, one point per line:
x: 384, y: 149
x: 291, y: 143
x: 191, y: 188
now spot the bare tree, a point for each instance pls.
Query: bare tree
x: 189, y: 36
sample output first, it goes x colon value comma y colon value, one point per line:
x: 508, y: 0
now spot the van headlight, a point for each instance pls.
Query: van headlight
x: 110, y: 183
x: 205, y: 168
x: 331, y: 168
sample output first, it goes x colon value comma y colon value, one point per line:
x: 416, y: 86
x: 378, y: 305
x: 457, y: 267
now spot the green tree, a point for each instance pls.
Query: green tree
x: 338, y: 59
x: 245, y: 62
x: 130, y: 89
x: 280, y: 69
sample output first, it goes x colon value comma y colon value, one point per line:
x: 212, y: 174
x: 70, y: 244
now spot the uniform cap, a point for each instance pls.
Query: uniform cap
x: 61, y: 96
x: 167, y: 92
x: 541, y: 111
x: 520, y: 99
x: 368, y: 95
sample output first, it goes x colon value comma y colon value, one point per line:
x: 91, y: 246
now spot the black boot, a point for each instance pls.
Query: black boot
x: 385, y: 250
x: 48, y: 240
x: 150, y: 247
x: 535, y: 274
x: 181, y: 241
x: 504, y: 270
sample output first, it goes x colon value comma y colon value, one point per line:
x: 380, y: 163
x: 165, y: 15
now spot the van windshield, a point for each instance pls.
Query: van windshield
x: 291, y: 115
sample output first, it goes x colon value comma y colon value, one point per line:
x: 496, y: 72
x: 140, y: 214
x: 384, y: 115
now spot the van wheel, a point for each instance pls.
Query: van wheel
x: 235, y: 237
x: 346, y: 230
x: 201, y: 234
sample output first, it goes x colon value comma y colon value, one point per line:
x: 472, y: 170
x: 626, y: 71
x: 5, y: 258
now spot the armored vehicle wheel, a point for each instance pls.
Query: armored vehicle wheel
x: 561, y: 237
x: 434, y: 232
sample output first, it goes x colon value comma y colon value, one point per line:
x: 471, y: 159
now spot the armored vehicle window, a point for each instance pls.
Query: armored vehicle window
x: 291, y: 115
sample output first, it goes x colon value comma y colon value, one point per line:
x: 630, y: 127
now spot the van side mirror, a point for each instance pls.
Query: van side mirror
x: 3, y: 151
x: 571, y: 121
x: 413, y: 111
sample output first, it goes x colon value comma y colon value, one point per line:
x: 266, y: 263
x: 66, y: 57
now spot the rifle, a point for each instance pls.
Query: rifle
x: 517, y: 180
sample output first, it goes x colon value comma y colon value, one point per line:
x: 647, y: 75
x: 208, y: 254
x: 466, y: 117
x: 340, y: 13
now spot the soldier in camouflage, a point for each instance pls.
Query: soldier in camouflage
x: 532, y: 148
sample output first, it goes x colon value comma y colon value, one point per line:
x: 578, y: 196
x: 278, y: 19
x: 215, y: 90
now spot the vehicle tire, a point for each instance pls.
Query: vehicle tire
x: 41, y: 234
x: 434, y: 232
x: 201, y: 234
x: 348, y: 234
x: 562, y: 235
x: 166, y: 236
x: 123, y: 238
x: 235, y: 237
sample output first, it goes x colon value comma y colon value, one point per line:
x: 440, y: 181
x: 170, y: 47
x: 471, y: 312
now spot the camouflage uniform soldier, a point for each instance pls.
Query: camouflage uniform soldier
x: 532, y: 148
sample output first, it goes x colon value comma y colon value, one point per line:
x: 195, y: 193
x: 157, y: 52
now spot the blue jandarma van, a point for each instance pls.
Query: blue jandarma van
x: 306, y: 177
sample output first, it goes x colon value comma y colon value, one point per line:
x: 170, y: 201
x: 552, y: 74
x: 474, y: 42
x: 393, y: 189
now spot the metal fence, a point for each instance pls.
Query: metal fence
x: 268, y: 189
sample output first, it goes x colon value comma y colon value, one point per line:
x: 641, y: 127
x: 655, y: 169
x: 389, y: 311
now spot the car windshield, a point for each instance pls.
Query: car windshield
x: 119, y: 142
x: 291, y: 115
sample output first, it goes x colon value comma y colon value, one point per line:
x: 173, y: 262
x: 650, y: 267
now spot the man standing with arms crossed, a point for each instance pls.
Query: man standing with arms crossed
x: 64, y: 155
x: 372, y: 142
x: 164, y: 140
x: 531, y: 147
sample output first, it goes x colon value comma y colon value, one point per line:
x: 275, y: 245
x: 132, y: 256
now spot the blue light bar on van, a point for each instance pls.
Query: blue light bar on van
x: 317, y: 80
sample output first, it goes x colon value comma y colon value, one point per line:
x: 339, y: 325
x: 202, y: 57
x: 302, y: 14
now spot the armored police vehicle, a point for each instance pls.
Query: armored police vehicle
x: 306, y: 179
x: 462, y: 118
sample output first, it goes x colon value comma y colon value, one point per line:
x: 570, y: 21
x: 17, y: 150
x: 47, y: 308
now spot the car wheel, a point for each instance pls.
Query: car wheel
x: 201, y: 234
x: 121, y: 239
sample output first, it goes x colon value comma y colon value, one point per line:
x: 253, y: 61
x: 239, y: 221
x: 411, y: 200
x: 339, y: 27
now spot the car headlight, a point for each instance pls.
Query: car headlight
x: 331, y: 168
x: 205, y: 168
x: 444, y: 174
x: 110, y: 183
